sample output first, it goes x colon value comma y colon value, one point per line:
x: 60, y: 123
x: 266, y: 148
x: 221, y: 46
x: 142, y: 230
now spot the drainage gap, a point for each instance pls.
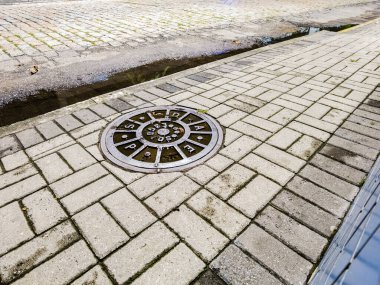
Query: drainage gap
x: 45, y: 101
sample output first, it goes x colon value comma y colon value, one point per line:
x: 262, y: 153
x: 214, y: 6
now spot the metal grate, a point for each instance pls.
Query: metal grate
x: 166, y: 138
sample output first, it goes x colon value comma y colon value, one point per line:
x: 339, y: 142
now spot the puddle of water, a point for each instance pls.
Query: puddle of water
x: 48, y: 100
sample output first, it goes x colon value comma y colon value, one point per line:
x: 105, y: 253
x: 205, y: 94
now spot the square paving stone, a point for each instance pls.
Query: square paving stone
x: 14, y: 227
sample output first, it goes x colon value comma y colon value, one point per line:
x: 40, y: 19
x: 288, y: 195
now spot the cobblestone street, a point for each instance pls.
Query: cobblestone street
x: 301, y: 126
x: 72, y: 34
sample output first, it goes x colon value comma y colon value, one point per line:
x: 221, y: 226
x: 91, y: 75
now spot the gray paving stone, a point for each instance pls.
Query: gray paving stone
x: 181, y: 96
x: 319, y: 124
x: 242, y: 106
x: 274, y: 254
x: 347, y: 157
x: 145, y: 95
x: 222, y: 216
x: 103, y: 110
x: 305, y: 147
x: 53, y: 167
x: 354, y: 147
x: 254, y: 196
x: 95, y: 276
x: 368, y: 115
x: 251, y: 130
x: 130, y: 213
x: 237, y: 268
x: 140, y: 252
x: 14, y: 227
x: 14, y: 160
x: 280, y: 157
x: 230, y: 181
x: 319, y: 196
x: 239, y: 148
x: 341, y: 170
x: 126, y: 176
x: 197, y: 233
x: 62, y: 268
x: 303, y: 240
x: 230, y: 136
x: 49, y: 146
x: 16, y: 175
x: 267, y: 111
x: 330, y: 182
x: 202, y: 174
x: 262, y: 123
x: 118, y: 105
x: 180, y: 266
x: 90, y: 193
x: 49, y: 130
x: 359, y: 138
x: 337, y: 105
x: 21, y: 189
x: 219, y: 162
x: 77, y: 157
x: 172, y: 195
x: 316, y: 218
x: 267, y: 168
x: 317, y: 110
x: 209, y: 278
x: 100, y: 230
x: 29, y: 137
x: 169, y: 88
x: 364, y: 130
x: 77, y: 180
x: 231, y: 117
x: 87, y: 129
x: 86, y: 116
x: 371, y: 124
x: 68, y: 122
x: 43, y: 210
x: 335, y: 116
x: 310, y: 131
x: 8, y: 145
x: 284, y: 116
x: 284, y: 138
x: 150, y: 183
x: 90, y: 140
x: 95, y: 152
x: 13, y: 264
x: 219, y: 110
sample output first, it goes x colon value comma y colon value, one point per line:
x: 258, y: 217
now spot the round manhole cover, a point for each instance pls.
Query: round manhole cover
x: 161, y: 139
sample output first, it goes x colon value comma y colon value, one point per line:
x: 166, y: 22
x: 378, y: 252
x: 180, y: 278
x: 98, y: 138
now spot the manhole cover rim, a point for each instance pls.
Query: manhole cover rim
x: 140, y: 166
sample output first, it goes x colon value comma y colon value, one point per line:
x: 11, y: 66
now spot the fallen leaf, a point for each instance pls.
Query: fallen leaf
x: 34, y: 69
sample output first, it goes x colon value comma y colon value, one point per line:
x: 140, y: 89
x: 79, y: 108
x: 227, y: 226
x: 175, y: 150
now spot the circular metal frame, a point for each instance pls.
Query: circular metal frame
x: 184, y: 144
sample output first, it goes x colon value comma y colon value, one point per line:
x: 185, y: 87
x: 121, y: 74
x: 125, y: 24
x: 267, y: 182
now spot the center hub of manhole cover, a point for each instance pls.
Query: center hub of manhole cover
x: 161, y: 139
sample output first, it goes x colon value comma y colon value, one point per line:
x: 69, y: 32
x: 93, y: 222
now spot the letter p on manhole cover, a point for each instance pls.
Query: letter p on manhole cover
x: 161, y: 139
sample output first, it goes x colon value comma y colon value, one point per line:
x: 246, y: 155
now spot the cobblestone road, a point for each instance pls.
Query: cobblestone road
x: 44, y: 31
x: 57, y: 34
x: 302, y: 130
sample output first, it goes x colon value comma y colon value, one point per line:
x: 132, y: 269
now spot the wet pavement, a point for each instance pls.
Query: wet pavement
x: 301, y: 128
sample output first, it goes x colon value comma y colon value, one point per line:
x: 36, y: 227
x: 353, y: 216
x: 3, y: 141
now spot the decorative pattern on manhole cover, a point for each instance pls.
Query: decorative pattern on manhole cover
x: 165, y: 138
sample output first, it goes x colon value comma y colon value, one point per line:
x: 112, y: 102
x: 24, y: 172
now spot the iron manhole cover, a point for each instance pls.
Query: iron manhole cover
x: 163, y: 139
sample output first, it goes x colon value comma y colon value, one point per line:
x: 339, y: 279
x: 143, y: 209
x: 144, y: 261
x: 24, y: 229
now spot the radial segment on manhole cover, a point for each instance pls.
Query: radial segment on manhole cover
x: 161, y: 139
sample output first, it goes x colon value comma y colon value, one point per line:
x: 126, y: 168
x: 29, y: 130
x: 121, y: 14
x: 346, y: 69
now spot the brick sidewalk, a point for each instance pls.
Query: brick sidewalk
x: 302, y: 130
